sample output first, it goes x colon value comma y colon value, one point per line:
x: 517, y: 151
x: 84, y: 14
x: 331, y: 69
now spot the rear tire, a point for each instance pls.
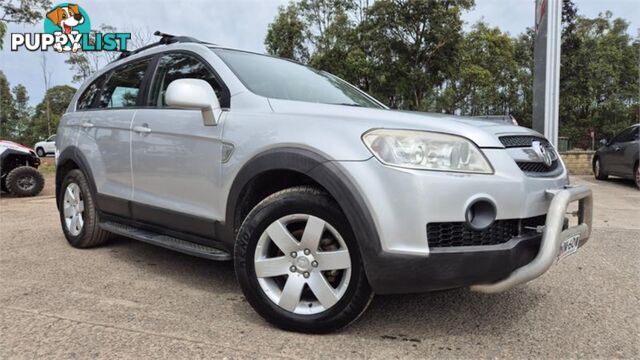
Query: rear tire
x: 331, y: 288
x: 597, y: 170
x: 24, y: 181
x: 78, y: 213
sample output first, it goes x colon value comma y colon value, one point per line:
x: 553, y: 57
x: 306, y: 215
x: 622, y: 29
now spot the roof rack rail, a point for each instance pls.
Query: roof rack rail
x: 165, y: 39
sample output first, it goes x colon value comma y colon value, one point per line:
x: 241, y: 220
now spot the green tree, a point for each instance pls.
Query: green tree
x: 413, y: 44
x: 523, y: 56
x: 483, y: 82
x: 599, y: 79
x: 7, y: 107
x: 21, y: 12
x: 59, y: 98
x: 22, y: 116
x: 285, y: 35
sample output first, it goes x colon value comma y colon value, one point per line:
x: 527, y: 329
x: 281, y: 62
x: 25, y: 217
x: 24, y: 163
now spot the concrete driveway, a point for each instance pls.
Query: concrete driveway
x: 133, y: 300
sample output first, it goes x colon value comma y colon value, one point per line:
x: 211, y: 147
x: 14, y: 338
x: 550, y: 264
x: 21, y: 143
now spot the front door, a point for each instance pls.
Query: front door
x: 619, y: 152
x: 176, y: 159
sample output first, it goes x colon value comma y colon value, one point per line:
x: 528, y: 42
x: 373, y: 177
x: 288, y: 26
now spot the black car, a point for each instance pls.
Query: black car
x: 619, y: 157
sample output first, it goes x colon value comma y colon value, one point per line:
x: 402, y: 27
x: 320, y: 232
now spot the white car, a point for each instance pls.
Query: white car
x: 45, y: 147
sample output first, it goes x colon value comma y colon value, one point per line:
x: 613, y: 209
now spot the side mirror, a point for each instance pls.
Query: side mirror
x: 194, y: 94
x: 603, y: 142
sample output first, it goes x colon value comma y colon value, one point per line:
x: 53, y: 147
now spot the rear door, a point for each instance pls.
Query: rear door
x: 104, y: 138
x: 176, y: 158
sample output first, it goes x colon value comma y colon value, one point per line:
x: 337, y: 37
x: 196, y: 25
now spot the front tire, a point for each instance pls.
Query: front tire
x: 597, y: 170
x: 24, y: 181
x: 298, y: 263
x: 78, y: 213
x: 40, y: 152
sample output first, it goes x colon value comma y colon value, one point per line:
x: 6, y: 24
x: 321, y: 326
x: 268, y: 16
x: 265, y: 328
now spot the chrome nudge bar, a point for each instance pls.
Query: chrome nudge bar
x: 552, y: 236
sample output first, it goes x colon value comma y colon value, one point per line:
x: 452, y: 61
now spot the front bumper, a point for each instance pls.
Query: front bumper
x: 402, y: 202
x: 488, y: 269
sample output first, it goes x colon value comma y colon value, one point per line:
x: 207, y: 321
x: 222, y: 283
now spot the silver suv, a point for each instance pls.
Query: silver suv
x: 320, y: 194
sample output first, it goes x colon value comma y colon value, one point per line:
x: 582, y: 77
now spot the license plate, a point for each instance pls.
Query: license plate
x: 569, y: 246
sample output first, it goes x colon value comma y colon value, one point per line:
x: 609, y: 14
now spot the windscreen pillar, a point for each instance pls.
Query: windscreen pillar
x: 546, y: 72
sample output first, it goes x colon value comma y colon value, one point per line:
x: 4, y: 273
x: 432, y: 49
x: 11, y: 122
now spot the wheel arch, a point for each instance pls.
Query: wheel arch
x: 316, y: 170
x: 68, y: 160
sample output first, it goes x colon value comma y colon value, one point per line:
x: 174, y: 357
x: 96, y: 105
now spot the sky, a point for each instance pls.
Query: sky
x: 242, y: 24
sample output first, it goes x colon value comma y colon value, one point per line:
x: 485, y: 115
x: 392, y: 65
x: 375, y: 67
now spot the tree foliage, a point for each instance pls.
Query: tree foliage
x: 85, y: 63
x: 21, y: 12
x: 22, y: 123
x: 59, y: 98
x: 7, y: 107
x: 414, y: 54
x: 285, y: 36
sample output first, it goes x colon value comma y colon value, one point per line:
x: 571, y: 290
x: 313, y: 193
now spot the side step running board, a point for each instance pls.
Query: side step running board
x: 165, y: 241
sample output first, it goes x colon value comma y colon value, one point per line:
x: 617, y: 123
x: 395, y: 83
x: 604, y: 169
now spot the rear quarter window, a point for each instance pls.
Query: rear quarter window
x: 89, y: 95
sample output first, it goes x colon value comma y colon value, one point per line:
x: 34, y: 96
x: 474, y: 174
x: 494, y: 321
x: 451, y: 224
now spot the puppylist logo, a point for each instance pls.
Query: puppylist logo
x: 67, y: 28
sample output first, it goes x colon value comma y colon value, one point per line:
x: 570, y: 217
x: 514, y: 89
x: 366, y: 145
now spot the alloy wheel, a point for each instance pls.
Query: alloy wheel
x: 302, y: 264
x: 73, y: 207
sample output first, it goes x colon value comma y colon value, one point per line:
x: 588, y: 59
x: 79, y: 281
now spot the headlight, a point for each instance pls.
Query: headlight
x: 426, y: 151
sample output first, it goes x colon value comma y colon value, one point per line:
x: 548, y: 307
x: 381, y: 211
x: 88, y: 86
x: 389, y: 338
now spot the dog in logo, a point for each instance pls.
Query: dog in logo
x: 66, y: 18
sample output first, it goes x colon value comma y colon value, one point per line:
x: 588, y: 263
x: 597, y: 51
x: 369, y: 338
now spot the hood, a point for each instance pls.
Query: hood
x: 482, y: 133
x: 5, y: 144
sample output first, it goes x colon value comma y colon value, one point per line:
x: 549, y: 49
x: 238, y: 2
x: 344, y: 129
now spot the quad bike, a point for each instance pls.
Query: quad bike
x: 19, y: 175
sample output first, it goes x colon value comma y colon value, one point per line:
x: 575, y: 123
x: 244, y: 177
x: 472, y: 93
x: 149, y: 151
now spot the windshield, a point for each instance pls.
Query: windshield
x: 282, y: 79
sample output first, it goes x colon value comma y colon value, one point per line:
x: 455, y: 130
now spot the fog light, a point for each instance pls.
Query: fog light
x: 480, y: 214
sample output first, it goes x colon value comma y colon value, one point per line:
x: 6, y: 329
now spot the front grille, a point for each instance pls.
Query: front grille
x: 451, y: 234
x: 537, y: 167
x: 521, y: 141
x: 532, y: 168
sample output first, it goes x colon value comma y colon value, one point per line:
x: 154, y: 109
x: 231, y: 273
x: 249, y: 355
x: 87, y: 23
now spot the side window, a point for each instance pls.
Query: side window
x: 121, y: 89
x: 180, y: 66
x: 626, y: 135
x: 52, y: 138
x: 86, y: 99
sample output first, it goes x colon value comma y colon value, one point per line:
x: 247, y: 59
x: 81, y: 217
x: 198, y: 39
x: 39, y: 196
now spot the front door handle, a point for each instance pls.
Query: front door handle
x: 144, y: 129
x: 86, y: 125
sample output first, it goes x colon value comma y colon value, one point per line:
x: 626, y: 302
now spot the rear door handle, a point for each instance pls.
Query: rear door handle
x: 86, y: 125
x: 144, y: 129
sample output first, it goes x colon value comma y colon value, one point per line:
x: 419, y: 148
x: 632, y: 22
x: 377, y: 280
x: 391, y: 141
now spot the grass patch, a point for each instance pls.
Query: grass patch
x: 47, y: 166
